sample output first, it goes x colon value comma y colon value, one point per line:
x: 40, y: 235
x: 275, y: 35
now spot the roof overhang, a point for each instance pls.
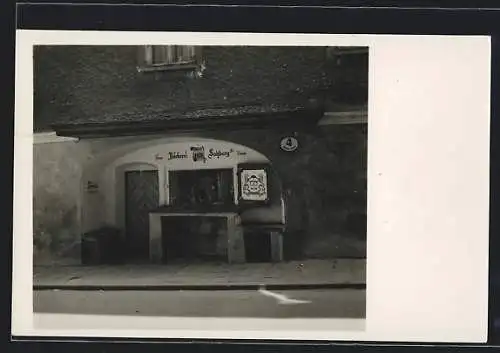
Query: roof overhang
x: 181, y: 122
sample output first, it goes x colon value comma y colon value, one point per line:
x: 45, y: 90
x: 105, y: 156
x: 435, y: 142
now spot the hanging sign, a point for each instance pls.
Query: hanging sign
x: 289, y: 144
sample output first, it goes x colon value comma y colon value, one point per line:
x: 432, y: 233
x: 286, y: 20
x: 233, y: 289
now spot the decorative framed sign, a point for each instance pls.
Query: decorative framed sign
x: 253, y: 183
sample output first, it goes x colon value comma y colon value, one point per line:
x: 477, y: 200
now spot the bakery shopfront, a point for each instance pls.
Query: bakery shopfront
x: 187, y: 199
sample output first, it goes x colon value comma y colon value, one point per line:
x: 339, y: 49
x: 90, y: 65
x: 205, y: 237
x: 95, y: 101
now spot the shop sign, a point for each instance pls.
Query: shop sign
x: 177, y: 155
x: 218, y: 154
x: 198, y: 154
x: 202, y: 154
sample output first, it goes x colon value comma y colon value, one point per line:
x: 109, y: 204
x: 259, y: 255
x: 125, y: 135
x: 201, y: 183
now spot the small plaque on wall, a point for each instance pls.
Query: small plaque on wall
x: 289, y: 144
x: 254, y: 185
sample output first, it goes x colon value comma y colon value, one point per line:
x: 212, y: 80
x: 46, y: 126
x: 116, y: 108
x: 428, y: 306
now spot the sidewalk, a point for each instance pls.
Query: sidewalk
x: 342, y: 273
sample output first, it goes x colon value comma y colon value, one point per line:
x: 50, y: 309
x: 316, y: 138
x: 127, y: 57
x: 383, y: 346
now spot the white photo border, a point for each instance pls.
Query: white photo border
x: 428, y: 194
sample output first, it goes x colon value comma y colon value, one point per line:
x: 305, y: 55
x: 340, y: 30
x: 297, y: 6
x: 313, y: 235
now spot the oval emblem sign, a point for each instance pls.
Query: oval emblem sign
x: 289, y: 144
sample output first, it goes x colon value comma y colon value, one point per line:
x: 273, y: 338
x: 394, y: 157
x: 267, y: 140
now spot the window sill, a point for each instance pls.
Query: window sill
x: 162, y: 68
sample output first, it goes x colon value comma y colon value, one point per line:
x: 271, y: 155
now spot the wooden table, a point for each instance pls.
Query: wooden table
x: 235, y: 240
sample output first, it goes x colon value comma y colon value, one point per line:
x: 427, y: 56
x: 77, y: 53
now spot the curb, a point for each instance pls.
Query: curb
x: 209, y: 287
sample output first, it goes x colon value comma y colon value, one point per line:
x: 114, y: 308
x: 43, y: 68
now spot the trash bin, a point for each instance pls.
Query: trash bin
x: 111, y: 245
x: 102, y: 246
x: 90, y: 251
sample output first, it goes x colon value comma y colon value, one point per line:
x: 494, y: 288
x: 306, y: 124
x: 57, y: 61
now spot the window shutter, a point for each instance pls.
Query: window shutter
x: 254, y: 184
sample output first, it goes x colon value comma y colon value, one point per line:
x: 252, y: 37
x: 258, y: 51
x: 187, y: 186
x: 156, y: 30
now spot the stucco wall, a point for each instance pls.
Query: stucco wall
x: 325, y: 183
x: 325, y: 180
x: 56, y: 197
x: 58, y: 168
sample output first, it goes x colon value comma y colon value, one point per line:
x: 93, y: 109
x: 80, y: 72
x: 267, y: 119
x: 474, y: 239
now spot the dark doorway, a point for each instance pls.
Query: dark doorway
x: 194, y: 239
x: 141, y: 196
x: 257, y: 245
x: 198, y: 188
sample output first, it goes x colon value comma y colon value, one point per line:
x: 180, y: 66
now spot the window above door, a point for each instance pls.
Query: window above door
x: 169, y: 57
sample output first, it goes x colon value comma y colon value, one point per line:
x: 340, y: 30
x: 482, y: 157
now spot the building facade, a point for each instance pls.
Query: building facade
x: 277, y: 135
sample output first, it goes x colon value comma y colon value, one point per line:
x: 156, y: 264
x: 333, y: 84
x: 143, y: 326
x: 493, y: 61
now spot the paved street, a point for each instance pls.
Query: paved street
x: 331, y: 272
x: 324, y: 303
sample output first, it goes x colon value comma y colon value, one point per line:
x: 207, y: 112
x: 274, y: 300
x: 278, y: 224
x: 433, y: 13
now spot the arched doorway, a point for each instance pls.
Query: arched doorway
x: 183, y: 173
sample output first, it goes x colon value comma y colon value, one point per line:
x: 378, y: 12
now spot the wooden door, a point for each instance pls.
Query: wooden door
x: 141, y: 196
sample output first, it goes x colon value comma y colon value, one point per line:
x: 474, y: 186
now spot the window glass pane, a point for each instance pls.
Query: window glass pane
x: 148, y: 54
x: 156, y: 54
x: 183, y: 53
x: 169, y: 54
x: 191, y: 52
x: 201, y: 187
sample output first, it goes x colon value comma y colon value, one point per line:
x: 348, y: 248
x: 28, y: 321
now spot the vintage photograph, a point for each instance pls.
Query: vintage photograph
x: 200, y: 181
